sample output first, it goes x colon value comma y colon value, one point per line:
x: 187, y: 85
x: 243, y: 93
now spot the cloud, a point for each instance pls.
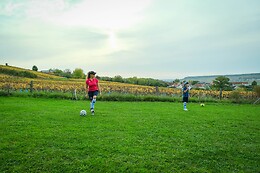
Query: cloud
x: 142, y: 38
x: 112, y: 14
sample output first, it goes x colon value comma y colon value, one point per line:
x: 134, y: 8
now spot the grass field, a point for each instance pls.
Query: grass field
x: 48, y: 135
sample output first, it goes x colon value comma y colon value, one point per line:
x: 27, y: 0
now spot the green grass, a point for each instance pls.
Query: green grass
x: 48, y: 135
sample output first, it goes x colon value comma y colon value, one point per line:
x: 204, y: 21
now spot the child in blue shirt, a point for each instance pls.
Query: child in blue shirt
x: 185, y: 95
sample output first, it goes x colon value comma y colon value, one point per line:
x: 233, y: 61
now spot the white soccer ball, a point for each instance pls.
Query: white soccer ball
x: 83, y: 113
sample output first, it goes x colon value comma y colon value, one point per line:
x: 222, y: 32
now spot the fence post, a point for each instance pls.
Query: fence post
x: 74, y: 94
x: 8, y: 89
x: 220, y: 93
x: 157, y: 90
x: 31, y: 86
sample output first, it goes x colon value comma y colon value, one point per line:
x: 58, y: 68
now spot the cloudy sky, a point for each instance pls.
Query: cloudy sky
x: 164, y: 39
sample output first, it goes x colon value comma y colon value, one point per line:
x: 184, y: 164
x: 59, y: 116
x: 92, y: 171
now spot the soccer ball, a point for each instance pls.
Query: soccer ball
x: 202, y: 104
x: 83, y: 113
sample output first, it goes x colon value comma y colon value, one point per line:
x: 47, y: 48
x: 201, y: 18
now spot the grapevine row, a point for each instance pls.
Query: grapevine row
x: 19, y: 83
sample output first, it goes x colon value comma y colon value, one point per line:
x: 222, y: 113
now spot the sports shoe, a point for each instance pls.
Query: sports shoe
x: 185, y: 109
x: 92, y: 111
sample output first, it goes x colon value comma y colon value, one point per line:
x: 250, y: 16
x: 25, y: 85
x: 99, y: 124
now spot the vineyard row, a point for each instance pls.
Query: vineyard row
x: 25, y: 84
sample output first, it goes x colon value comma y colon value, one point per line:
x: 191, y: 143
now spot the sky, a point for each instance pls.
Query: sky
x: 162, y: 39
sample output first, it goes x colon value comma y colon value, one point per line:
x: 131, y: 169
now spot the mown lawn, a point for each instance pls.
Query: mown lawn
x: 48, y: 135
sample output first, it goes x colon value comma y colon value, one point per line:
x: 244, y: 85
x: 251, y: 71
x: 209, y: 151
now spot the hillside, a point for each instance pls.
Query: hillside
x: 16, y: 71
x: 233, y: 78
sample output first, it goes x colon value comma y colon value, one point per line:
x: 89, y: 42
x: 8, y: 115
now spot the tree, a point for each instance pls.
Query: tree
x: 35, y: 68
x: 118, y: 78
x: 176, y: 81
x: 254, y: 83
x: 78, y: 73
x: 133, y: 80
x: 221, y: 83
x: 57, y: 72
x: 67, y: 73
x: 106, y: 78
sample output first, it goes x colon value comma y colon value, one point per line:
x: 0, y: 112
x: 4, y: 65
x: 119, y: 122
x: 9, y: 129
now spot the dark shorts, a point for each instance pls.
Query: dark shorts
x: 91, y: 94
x: 185, y: 99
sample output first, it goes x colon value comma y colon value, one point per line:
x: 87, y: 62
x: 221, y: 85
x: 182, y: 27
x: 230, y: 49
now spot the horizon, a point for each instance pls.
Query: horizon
x: 234, y: 74
x: 163, y: 79
x: 160, y: 39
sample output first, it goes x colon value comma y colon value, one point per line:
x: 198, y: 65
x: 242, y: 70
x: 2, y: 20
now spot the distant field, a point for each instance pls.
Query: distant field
x: 23, y: 80
x: 48, y: 135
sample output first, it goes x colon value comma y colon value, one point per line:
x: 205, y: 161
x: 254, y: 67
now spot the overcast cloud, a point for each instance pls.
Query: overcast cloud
x: 145, y: 38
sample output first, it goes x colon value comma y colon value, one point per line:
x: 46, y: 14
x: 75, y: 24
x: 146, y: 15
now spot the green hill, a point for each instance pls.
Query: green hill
x: 21, y: 72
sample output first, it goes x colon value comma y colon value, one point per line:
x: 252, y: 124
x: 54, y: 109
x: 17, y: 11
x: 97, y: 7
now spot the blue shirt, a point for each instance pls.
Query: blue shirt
x: 185, y: 94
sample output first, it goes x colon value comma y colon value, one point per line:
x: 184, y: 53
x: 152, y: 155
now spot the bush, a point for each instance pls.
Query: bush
x: 4, y: 93
x: 235, y: 96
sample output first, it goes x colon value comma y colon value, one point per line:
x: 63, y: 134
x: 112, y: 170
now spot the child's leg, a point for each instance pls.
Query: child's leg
x: 90, y: 94
x: 185, y: 101
x: 93, y: 101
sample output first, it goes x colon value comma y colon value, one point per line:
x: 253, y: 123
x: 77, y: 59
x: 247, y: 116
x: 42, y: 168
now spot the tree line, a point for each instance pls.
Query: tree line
x: 78, y: 73
x: 220, y: 83
x: 137, y: 81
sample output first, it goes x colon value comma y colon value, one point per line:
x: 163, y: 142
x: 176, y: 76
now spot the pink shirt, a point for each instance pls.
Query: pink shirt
x: 92, y: 84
